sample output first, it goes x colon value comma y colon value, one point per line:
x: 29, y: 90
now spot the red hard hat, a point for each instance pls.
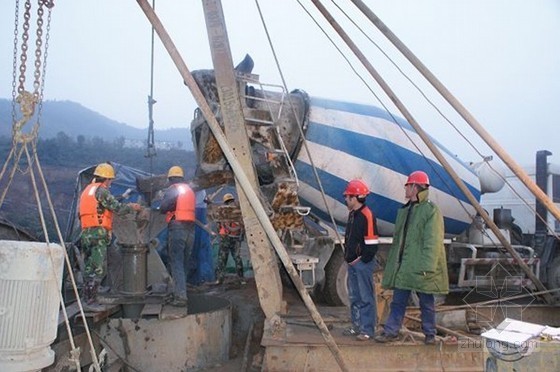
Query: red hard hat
x: 356, y: 187
x: 418, y: 177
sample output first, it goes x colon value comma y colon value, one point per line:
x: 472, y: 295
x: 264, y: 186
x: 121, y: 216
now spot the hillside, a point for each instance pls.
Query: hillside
x: 61, y: 158
x: 76, y: 120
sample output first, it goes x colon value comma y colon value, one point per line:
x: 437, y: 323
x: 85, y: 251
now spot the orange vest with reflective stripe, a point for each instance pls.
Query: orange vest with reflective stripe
x: 89, y: 216
x: 230, y: 229
x: 185, y: 206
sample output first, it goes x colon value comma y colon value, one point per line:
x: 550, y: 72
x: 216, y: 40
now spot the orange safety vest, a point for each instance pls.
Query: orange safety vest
x: 230, y: 229
x: 185, y: 206
x: 89, y: 215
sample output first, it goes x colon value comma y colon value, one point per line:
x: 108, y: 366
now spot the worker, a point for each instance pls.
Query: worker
x: 361, y: 242
x: 179, y: 204
x: 231, y: 234
x: 416, y: 260
x: 97, y: 206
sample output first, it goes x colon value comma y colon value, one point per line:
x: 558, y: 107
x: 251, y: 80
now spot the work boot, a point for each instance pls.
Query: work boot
x: 384, y: 337
x: 179, y: 302
x: 90, y: 291
x: 430, y: 340
x: 351, y: 331
x: 363, y: 337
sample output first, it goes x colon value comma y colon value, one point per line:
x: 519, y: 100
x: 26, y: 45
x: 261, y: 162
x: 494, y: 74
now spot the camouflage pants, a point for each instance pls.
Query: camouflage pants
x: 227, y: 245
x: 95, y: 241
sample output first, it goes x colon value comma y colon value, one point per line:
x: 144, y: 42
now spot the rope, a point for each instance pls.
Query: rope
x: 43, y: 224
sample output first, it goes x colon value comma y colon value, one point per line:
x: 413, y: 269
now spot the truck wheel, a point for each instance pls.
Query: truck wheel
x: 335, y: 292
x: 554, y: 274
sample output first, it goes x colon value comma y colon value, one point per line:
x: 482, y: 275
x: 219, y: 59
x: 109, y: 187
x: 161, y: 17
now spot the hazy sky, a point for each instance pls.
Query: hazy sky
x: 501, y: 58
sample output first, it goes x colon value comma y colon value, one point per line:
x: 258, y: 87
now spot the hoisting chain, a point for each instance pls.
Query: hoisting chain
x: 25, y: 99
x: 14, y: 61
x: 49, y: 4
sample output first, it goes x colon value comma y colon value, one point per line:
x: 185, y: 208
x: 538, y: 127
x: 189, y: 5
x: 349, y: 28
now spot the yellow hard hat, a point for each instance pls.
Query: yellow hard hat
x: 104, y: 170
x: 227, y: 197
x: 175, y: 171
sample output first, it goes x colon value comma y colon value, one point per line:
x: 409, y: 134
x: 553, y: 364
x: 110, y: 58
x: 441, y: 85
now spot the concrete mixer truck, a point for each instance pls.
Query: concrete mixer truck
x: 305, y: 150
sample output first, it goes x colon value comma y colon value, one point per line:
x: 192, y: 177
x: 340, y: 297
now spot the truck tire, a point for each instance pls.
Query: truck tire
x: 335, y: 292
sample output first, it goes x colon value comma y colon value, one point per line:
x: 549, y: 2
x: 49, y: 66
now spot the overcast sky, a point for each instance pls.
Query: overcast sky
x: 500, y: 58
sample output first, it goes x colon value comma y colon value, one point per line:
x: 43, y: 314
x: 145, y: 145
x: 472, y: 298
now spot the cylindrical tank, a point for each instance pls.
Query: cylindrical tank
x: 173, y: 342
x: 134, y: 268
x: 135, y: 275
x: 30, y: 282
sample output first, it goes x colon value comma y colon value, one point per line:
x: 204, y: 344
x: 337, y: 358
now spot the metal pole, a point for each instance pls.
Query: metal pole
x: 242, y: 179
x: 408, y: 116
x: 454, y: 102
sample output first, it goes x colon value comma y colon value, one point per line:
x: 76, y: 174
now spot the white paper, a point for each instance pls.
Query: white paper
x: 514, y: 338
x: 513, y: 325
x: 551, y: 331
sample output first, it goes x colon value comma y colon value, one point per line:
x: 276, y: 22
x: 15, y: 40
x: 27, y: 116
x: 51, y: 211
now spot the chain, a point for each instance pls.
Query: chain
x: 27, y: 101
x: 14, y: 62
x: 49, y: 5
x: 38, y: 48
x: 24, y: 47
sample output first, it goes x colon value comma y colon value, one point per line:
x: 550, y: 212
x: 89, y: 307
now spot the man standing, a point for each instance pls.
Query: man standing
x: 361, y: 242
x: 97, y: 206
x: 178, y: 204
x: 416, y: 261
x: 231, y: 234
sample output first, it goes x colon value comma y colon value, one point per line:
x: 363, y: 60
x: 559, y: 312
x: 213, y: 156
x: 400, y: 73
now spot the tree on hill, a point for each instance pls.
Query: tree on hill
x: 62, y: 157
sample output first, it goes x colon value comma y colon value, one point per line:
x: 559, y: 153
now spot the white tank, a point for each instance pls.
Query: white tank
x: 491, y: 176
x: 30, y: 282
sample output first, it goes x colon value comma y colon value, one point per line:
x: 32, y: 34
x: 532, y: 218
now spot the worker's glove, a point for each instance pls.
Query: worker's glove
x: 136, y: 207
x: 127, y: 193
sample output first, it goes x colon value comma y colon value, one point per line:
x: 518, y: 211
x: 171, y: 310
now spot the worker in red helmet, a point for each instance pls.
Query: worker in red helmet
x: 416, y: 260
x: 360, y: 247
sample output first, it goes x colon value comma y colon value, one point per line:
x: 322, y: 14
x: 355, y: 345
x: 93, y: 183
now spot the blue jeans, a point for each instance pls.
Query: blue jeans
x: 398, y: 308
x: 361, y: 293
x: 179, y: 252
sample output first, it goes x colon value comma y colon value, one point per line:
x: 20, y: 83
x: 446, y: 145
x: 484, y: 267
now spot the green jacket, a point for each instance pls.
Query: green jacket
x: 423, y: 265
